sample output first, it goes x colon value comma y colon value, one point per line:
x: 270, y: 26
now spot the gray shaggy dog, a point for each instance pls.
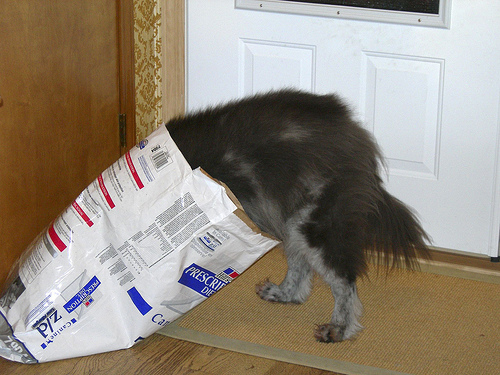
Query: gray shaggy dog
x: 308, y: 174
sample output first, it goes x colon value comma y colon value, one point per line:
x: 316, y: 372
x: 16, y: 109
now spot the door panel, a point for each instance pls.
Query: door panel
x: 430, y: 96
x: 59, y: 118
x: 416, y: 85
x: 265, y: 65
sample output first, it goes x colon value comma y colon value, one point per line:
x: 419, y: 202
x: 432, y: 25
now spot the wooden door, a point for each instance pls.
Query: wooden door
x: 59, y: 108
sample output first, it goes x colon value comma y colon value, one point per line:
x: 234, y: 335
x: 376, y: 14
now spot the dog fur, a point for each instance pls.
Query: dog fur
x: 307, y: 173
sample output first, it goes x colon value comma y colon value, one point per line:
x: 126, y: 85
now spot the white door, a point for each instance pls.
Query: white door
x: 430, y: 95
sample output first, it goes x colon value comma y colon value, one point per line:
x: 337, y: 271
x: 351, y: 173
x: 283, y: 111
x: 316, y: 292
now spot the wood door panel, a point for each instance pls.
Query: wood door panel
x: 59, y: 118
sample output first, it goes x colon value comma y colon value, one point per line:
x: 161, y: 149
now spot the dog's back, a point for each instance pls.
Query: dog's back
x: 307, y: 173
x: 283, y: 147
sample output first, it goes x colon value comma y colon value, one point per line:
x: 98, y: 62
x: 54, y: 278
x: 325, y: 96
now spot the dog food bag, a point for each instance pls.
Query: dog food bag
x: 144, y: 243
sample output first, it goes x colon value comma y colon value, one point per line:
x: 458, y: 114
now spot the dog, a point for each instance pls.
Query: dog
x: 307, y: 173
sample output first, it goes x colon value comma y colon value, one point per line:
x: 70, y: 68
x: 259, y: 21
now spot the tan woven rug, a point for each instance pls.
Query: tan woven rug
x: 415, y: 322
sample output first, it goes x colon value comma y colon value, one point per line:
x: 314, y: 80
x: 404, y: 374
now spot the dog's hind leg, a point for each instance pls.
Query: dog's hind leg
x: 344, y: 322
x: 296, y: 286
x: 335, y: 232
x: 302, y: 260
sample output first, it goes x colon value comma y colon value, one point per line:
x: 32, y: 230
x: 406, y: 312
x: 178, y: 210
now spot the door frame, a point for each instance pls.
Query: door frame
x: 173, y: 48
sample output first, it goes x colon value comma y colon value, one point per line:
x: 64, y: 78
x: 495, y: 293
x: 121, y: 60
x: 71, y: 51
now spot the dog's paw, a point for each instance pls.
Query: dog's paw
x: 329, y: 333
x: 269, y: 291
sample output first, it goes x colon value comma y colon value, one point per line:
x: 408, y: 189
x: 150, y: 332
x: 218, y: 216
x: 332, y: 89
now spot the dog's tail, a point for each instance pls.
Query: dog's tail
x: 396, y: 236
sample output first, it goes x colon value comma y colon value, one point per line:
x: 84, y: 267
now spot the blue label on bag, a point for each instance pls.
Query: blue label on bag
x: 206, y: 282
x: 83, y: 295
x: 139, y: 301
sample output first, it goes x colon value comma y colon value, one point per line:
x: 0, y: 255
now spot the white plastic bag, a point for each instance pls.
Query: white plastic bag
x: 147, y: 241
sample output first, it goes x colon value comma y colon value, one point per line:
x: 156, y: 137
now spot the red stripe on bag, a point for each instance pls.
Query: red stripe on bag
x: 133, y: 171
x: 61, y: 246
x: 105, y: 192
x: 82, y: 214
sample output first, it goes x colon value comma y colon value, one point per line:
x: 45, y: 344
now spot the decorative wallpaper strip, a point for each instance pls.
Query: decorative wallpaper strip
x: 148, y: 66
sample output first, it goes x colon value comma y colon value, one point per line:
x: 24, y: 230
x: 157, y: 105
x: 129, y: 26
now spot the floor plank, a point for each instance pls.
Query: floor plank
x: 459, y: 259
x: 162, y: 355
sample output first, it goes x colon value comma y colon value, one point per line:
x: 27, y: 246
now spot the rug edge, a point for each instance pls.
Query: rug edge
x: 173, y: 330
x: 462, y: 272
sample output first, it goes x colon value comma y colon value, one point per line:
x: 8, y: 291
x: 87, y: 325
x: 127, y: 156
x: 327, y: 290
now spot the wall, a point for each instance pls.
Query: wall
x: 159, y: 62
x: 148, y: 66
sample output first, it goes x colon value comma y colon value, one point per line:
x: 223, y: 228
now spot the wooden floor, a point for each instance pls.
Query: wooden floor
x: 461, y: 260
x: 163, y: 356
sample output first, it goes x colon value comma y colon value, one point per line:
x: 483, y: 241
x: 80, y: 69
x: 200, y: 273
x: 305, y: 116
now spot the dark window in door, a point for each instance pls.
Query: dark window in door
x: 417, y: 6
